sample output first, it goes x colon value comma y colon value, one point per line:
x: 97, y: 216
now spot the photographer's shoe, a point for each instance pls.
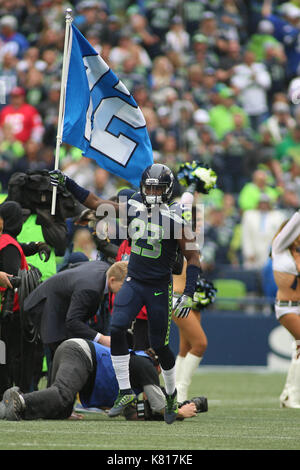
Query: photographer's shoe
x: 171, y: 408
x: 14, y: 404
x: 2, y: 410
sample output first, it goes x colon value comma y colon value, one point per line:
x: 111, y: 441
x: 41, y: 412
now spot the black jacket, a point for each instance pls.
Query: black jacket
x: 67, y: 300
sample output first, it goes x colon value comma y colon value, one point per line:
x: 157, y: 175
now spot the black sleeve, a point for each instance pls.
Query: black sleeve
x: 56, y: 236
x: 29, y: 249
x: 10, y: 260
x: 84, y: 304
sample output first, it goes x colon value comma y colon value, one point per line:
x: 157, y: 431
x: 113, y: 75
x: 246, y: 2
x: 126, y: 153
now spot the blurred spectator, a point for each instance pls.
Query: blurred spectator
x: 210, y: 28
x: 288, y: 148
x: 92, y: 14
x: 229, y: 60
x: 280, y: 123
x: 81, y: 171
x: 177, y: 38
x: 194, y: 83
x: 159, y: 15
x: 162, y: 73
x: 208, y: 88
x: 221, y: 115
x: 83, y: 242
x: 55, y: 16
x: 261, y: 223
x: 31, y: 60
x: 286, y: 30
x: 53, y: 64
x: 10, y: 40
x: 9, y: 76
x: 200, y: 53
x: 25, y: 120
x: 239, y: 146
x: 104, y: 187
x: 11, y: 150
x: 36, y: 93
x: 218, y: 235
x: 291, y: 184
x: 51, y: 39
x: 125, y: 48
x: 32, y: 21
x: 32, y: 159
x: 49, y: 112
x: 131, y: 73
x: 275, y: 61
x: 143, y: 34
x: 264, y: 37
x: 251, y: 192
x: 111, y: 31
x: 252, y: 81
x: 170, y: 154
x: 231, y: 19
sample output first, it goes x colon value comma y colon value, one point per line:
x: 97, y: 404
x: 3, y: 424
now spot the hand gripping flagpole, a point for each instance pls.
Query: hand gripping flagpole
x: 64, y: 75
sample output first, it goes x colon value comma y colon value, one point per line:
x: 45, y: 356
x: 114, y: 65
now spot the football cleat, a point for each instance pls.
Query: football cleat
x: 171, y: 408
x: 121, y: 403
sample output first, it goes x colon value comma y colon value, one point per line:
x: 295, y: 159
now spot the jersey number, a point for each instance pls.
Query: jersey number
x: 153, y: 238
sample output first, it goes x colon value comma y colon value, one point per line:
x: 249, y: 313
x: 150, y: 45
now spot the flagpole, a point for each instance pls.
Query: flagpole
x: 65, y: 66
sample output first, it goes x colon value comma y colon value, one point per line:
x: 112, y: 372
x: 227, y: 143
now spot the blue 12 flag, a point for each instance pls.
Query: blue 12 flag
x: 101, y: 117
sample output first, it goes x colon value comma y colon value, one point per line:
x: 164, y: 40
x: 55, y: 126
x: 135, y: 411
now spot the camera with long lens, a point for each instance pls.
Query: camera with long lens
x: 9, y: 295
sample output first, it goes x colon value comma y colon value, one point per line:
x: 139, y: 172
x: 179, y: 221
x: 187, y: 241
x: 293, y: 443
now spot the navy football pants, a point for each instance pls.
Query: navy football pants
x: 157, y: 298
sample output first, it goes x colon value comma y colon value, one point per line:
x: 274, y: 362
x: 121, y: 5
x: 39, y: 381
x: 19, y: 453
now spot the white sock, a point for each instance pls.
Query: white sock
x: 190, y: 365
x: 295, y: 385
x: 121, y: 366
x: 169, y: 379
x: 290, y: 396
x: 179, y: 368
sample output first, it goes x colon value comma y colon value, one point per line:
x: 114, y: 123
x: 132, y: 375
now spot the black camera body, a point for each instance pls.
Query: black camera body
x: 9, y: 296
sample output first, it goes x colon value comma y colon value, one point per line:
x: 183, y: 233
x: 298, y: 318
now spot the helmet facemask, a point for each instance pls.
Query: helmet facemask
x: 154, y: 192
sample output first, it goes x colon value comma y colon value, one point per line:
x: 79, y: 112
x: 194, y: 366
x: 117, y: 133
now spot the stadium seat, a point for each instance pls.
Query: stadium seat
x: 251, y: 278
x: 229, y: 289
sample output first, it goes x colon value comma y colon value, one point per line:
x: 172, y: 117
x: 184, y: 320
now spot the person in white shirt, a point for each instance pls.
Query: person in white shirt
x: 259, y: 226
x: 286, y: 268
x: 252, y: 80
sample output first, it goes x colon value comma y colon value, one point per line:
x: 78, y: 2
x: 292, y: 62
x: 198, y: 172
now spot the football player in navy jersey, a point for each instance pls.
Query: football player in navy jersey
x: 156, y: 227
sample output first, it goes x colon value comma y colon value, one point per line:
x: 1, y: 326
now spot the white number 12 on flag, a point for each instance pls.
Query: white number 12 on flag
x: 118, y: 148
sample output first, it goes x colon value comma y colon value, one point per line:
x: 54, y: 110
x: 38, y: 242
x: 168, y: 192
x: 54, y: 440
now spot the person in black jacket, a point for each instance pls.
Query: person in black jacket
x: 64, y: 303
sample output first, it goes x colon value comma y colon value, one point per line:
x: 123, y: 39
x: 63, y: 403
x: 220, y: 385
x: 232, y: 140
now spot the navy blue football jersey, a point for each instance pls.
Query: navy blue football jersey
x: 154, y: 234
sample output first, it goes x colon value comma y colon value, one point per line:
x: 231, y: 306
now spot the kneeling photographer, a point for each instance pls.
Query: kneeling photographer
x: 85, y: 367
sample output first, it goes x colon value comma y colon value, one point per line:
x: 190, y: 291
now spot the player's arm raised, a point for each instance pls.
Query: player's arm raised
x: 85, y: 197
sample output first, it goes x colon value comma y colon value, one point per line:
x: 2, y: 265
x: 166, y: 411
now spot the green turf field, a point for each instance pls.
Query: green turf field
x: 243, y: 414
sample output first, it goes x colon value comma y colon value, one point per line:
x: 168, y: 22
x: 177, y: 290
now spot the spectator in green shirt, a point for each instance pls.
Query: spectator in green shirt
x: 222, y: 115
x: 290, y: 146
x: 251, y: 192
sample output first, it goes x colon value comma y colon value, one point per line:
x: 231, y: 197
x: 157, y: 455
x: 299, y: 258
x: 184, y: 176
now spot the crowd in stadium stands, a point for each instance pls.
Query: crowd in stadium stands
x: 216, y: 81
